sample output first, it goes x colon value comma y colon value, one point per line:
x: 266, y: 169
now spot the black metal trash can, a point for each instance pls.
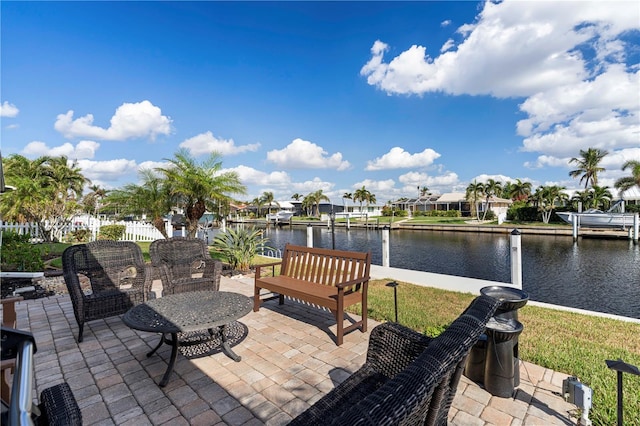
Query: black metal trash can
x: 501, y: 363
x: 494, y: 358
x: 474, y: 368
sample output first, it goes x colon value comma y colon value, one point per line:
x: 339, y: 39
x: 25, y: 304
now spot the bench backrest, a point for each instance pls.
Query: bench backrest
x: 324, y: 266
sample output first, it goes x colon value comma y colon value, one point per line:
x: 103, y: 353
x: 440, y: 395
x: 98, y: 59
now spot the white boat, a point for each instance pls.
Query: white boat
x: 594, y: 218
x: 280, y: 216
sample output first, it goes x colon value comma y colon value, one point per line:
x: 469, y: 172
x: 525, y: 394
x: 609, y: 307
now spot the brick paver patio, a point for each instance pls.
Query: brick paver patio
x: 289, y: 361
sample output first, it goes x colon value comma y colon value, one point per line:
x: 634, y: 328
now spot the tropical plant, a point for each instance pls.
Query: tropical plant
x: 239, y: 246
x: 92, y: 202
x: 581, y: 197
x: 296, y: 196
x: 46, y: 191
x: 601, y: 196
x: 491, y: 189
x: 546, y: 198
x: 319, y: 197
x: 588, y: 166
x: 151, y: 197
x: 18, y: 254
x: 268, y: 199
x: 195, y: 186
x: 627, y: 182
x: 361, y: 195
x: 518, y: 191
x: 346, y: 196
x: 473, y: 193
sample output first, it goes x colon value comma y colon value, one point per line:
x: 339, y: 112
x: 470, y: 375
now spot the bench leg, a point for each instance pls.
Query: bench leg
x: 340, y: 317
x: 256, y: 299
x: 364, y: 310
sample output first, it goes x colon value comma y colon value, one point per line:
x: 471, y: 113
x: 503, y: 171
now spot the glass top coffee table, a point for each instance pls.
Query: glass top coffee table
x: 188, y: 312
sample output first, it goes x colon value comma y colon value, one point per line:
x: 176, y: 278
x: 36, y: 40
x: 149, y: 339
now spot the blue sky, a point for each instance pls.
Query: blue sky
x: 302, y: 96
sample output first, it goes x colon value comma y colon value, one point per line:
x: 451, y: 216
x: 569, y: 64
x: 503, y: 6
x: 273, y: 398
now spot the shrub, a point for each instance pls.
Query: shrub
x: 18, y: 254
x: 111, y: 232
x: 239, y: 247
x: 79, y: 236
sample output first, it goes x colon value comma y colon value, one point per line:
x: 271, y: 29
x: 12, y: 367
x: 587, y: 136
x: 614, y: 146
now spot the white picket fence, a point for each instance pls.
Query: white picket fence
x: 134, y: 231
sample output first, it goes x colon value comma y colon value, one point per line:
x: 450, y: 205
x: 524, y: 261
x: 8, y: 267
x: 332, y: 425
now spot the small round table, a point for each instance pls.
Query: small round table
x: 188, y: 312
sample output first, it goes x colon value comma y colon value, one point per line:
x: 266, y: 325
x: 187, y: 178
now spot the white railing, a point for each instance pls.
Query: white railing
x: 134, y: 231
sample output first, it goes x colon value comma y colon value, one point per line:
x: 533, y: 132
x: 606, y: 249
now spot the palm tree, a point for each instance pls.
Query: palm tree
x: 93, y: 200
x: 547, y: 197
x: 473, y: 193
x: 346, y: 196
x: 318, y: 197
x: 267, y: 199
x: 307, y: 203
x: 151, y: 197
x: 491, y: 189
x: 361, y: 195
x: 296, y: 196
x: 583, y: 197
x: 519, y: 191
x: 588, y: 168
x: 627, y: 182
x: 600, y: 195
x: 258, y: 203
x: 195, y: 185
x: 47, y: 191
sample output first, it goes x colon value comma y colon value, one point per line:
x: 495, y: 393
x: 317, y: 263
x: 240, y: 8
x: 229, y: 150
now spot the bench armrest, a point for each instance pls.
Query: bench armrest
x: 266, y: 265
x: 362, y: 280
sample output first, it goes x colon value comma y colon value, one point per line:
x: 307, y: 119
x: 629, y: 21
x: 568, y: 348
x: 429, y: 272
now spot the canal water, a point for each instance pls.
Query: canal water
x: 596, y: 274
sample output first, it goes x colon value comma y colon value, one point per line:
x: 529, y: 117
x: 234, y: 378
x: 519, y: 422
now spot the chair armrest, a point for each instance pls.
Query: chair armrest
x: 213, y: 269
x: 392, y: 347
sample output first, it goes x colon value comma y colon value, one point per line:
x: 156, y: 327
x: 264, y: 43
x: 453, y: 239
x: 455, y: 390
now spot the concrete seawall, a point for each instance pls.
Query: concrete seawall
x: 469, y: 285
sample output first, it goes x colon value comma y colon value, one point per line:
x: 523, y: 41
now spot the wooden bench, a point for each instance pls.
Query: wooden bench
x: 333, y: 279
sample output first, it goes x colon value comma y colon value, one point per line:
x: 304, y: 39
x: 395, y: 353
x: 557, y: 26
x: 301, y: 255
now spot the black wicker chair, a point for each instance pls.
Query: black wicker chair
x: 184, y: 264
x: 408, y: 378
x: 118, y: 276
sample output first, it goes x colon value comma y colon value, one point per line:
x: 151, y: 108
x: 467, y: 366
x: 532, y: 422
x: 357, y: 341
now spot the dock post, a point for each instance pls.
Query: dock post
x: 574, y: 224
x: 385, y: 246
x: 309, y: 235
x: 348, y: 222
x: 636, y: 226
x: 516, y: 258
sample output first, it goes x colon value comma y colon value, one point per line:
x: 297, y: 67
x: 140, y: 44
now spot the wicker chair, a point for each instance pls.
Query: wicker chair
x: 184, y: 264
x: 118, y: 276
x: 408, y: 378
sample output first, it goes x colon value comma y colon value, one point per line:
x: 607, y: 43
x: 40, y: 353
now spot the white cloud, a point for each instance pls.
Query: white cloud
x: 448, y: 45
x: 8, y: 110
x: 107, y: 171
x: 131, y: 120
x: 301, y: 154
x: 483, y: 178
x: 445, y: 23
x: 514, y: 49
x: 440, y: 183
x: 398, y: 158
x: 251, y: 176
x: 206, y: 143
x: 567, y: 60
x: 82, y: 150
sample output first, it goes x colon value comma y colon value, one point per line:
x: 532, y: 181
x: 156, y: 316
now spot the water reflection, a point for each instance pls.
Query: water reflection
x: 595, y: 274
